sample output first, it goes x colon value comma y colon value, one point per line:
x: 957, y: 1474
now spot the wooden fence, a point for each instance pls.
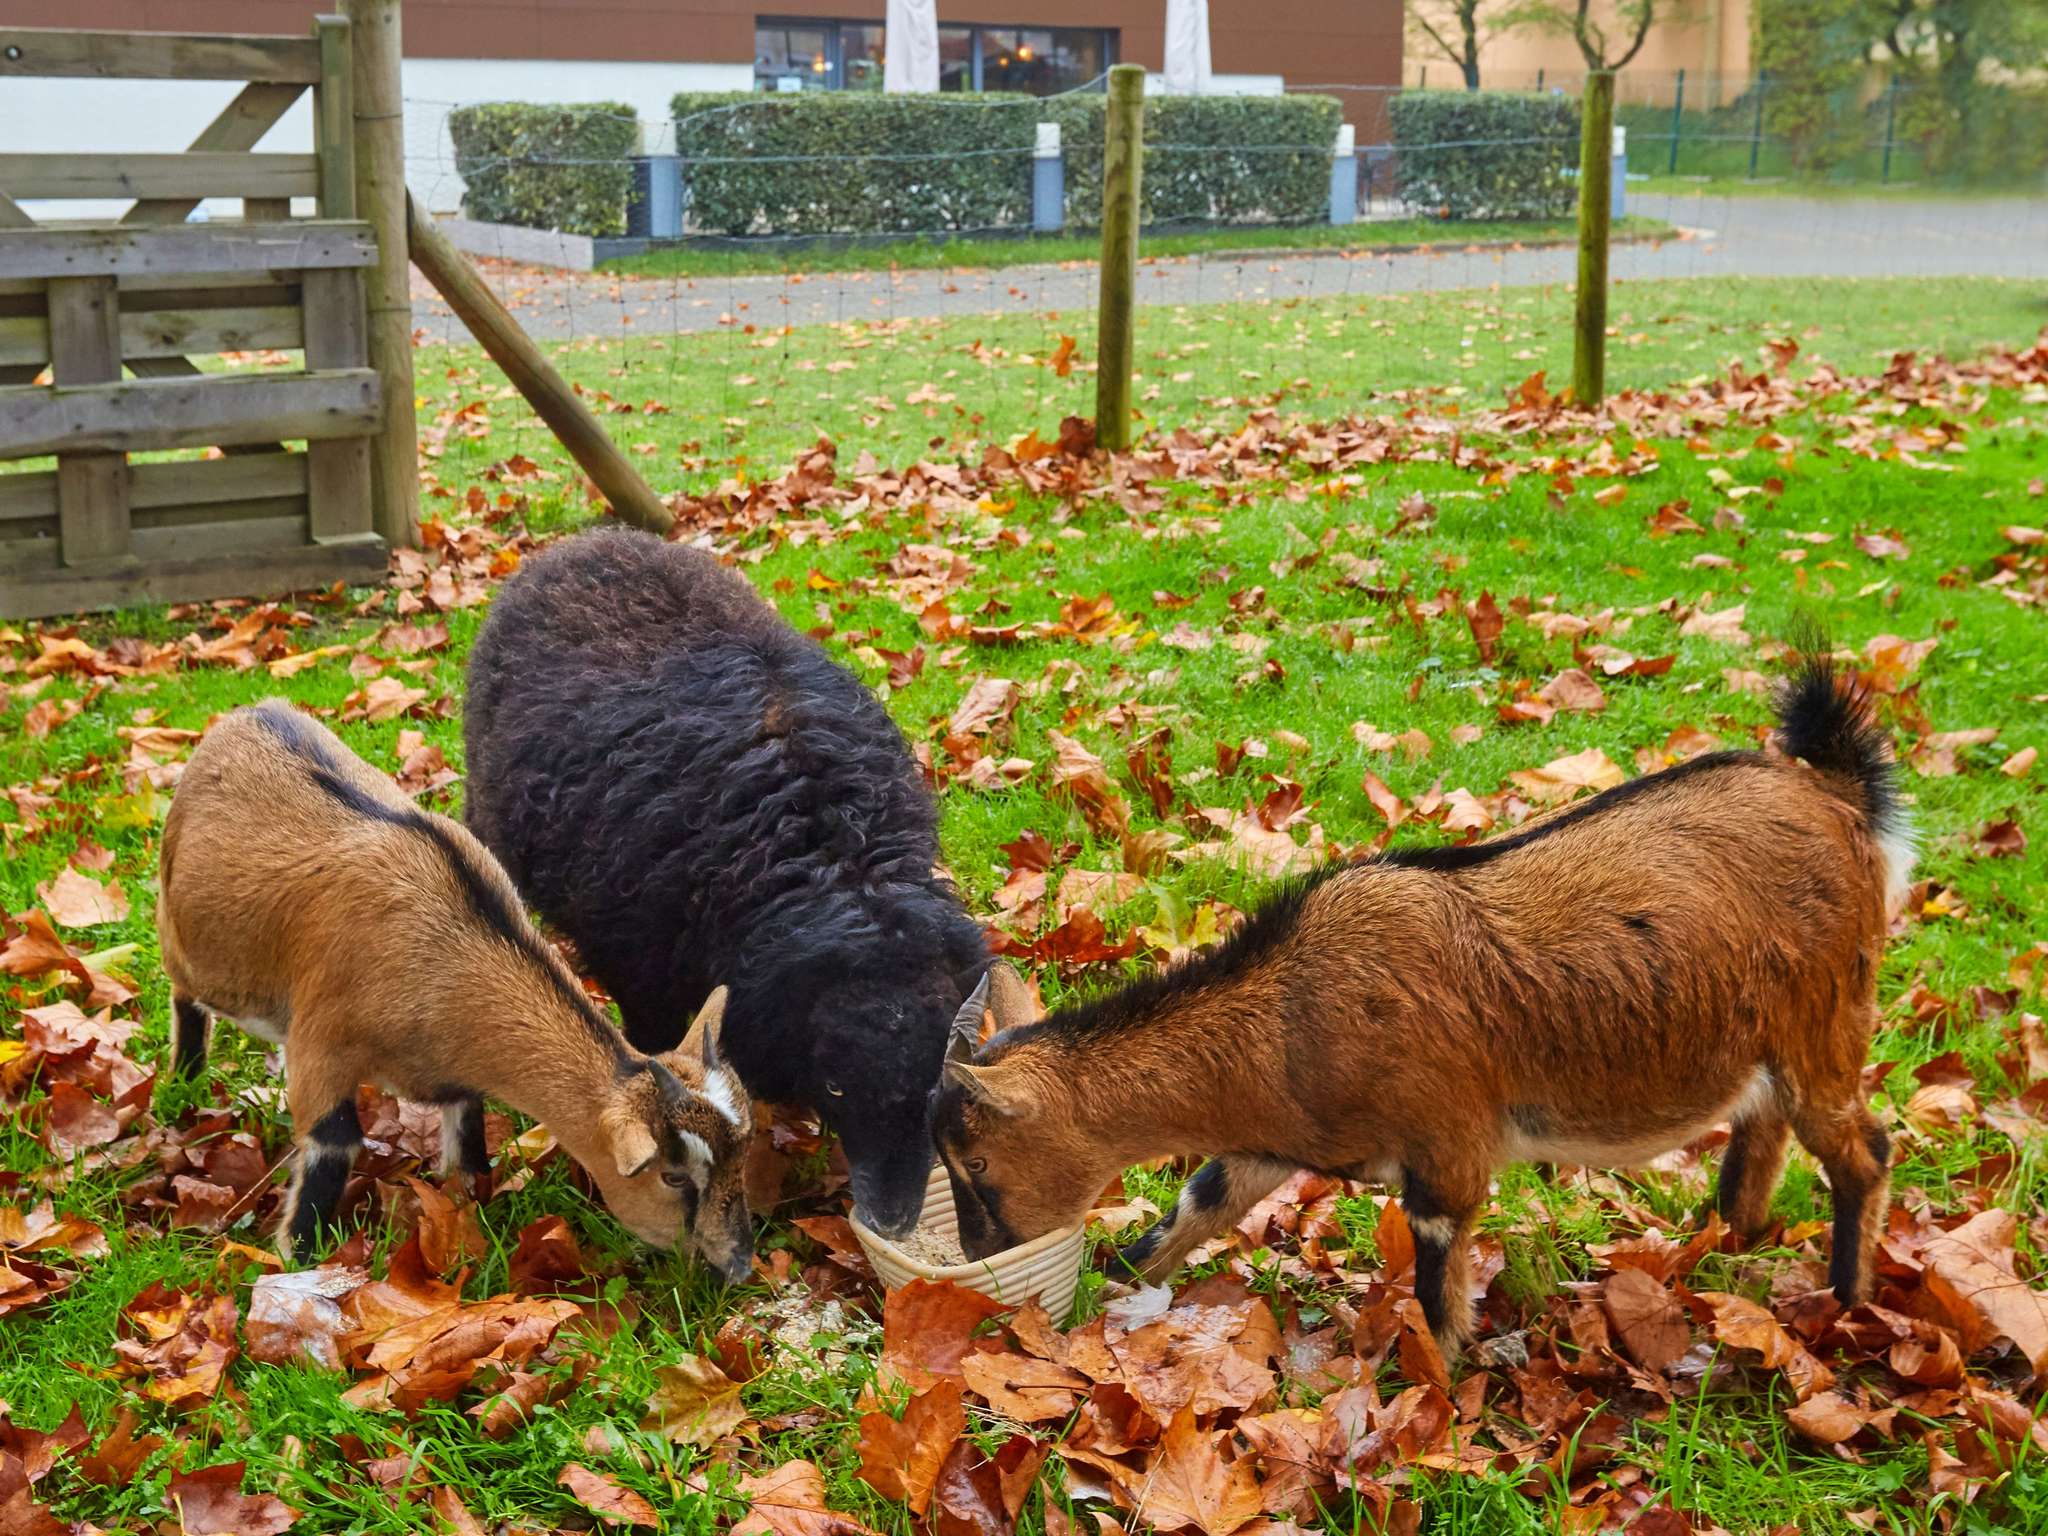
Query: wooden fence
x: 115, y: 314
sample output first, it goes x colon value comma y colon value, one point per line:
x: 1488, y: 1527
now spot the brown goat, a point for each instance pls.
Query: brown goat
x: 304, y: 896
x: 1695, y: 946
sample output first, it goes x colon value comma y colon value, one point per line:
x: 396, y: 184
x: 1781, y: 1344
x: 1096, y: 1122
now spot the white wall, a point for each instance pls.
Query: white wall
x: 434, y: 87
x: 110, y: 116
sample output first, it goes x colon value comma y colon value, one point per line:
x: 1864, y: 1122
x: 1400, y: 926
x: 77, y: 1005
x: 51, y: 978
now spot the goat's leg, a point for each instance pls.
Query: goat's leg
x: 1211, y: 1203
x: 189, y: 1022
x: 462, y: 1143
x: 1440, y: 1205
x: 1855, y: 1153
x: 1750, y: 1170
x: 323, y: 1103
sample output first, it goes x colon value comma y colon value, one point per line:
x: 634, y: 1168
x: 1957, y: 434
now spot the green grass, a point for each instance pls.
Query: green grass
x: 771, y: 255
x: 696, y: 408
x: 1728, y: 1456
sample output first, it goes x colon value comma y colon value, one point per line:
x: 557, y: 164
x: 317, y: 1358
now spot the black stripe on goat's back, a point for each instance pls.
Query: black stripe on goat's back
x: 1265, y: 928
x: 1262, y: 932
x: 1447, y: 860
x: 486, y: 898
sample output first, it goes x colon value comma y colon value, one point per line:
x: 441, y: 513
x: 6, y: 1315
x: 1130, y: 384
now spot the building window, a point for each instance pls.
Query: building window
x: 1038, y: 61
x: 814, y: 55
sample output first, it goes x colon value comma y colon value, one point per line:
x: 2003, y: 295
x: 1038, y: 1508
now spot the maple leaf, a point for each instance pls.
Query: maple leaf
x: 1976, y: 1261
x: 1063, y: 357
x: 1079, y: 776
x: 1725, y: 626
x: 1207, y: 1357
x: 1484, y: 618
x: 901, y: 1458
x: 1646, y: 1318
x: 74, y: 900
x: 929, y: 1326
x: 1562, y: 778
x: 120, y: 1454
x: 546, y: 1257
x: 448, y: 1232
x: 789, y: 1500
x: 75, y: 1121
x: 297, y: 1315
x: 605, y: 1497
x: 1828, y: 1418
x: 1573, y: 689
x: 694, y: 1403
x: 986, y: 708
x: 210, y: 1502
x: 1191, y: 1486
x: 1741, y: 1324
x: 980, y: 1495
x: 448, y: 1507
x: 1019, y: 1387
x: 1384, y: 800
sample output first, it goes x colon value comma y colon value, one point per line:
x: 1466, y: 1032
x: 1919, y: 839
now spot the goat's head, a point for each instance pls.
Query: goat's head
x: 875, y: 1055
x: 678, y: 1130
x: 1004, y: 1126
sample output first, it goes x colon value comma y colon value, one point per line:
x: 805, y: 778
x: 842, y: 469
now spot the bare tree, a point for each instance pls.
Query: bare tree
x: 1574, y: 18
x: 1454, y: 29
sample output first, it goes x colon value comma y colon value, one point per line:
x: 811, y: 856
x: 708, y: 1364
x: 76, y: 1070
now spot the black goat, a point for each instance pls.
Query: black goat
x: 696, y: 794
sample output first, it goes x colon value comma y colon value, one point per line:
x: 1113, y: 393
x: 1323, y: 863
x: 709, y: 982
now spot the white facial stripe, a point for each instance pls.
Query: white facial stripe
x: 721, y: 1093
x: 699, y: 1151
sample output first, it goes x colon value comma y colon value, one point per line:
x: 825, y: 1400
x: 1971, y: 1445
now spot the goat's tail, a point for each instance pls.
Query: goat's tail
x: 1827, y: 720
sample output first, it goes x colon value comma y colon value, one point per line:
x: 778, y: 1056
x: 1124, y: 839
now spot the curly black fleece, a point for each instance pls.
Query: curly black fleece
x: 696, y: 794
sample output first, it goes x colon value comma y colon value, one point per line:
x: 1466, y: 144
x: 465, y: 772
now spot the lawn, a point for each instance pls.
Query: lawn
x: 771, y: 254
x: 1281, y: 642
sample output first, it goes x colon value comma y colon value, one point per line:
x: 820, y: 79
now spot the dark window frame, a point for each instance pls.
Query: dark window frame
x: 834, y: 73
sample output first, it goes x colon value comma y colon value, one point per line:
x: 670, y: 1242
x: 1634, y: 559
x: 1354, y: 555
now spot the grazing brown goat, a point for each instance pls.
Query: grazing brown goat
x: 1695, y: 946
x: 304, y: 896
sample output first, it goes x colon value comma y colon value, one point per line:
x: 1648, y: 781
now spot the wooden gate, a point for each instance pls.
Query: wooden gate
x: 85, y: 306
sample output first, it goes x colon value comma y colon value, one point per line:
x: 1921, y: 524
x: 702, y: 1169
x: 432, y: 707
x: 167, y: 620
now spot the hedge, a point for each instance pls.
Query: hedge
x: 547, y: 166
x: 1486, y: 154
x: 948, y: 162
x: 751, y: 161
x: 1211, y: 159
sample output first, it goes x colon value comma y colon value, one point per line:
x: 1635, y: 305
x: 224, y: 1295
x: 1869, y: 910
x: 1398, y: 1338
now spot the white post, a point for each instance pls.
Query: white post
x: 1618, y: 197
x: 1048, y: 182
x: 1344, y: 176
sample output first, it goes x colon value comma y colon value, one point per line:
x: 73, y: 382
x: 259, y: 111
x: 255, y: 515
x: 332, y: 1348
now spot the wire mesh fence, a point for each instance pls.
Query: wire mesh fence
x: 725, y: 353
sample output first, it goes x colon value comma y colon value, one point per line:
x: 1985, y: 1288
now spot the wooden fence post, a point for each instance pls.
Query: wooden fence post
x: 631, y: 498
x: 1123, y: 154
x: 380, y: 198
x: 1596, y: 195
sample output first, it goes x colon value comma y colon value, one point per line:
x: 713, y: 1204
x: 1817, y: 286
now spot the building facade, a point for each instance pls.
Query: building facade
x: 641, y: 52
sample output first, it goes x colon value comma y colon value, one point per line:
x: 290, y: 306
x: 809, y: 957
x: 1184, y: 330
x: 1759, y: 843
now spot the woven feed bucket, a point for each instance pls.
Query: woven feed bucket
x: 1047, y: 1268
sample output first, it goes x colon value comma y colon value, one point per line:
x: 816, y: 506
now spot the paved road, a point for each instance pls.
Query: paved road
x: 1722, y: 237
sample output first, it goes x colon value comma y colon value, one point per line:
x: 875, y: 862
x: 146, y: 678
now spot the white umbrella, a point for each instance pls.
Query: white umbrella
x: 1187, y: 47
x: 910, y: 48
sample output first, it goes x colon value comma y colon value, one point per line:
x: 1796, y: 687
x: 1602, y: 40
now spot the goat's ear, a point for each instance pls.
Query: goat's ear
x: 703, y: 1039
x: 1009, y: 994
x: 979, y: 1087
x: 627, y: 1121
x: 966, y: 1032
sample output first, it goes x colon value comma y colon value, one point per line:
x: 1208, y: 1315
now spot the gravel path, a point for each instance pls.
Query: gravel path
x: 1721, y: 237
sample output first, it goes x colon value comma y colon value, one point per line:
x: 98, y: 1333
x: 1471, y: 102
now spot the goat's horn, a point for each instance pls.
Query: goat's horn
x: 674, y: 1096
x: 967, y: 1023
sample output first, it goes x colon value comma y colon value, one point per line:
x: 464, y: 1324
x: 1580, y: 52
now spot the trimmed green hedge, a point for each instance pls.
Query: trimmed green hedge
x: 547, y: 166
x: 750, y: 162
x: 1211, y: 159
x: 960, y: 163
x: 1486, y: 154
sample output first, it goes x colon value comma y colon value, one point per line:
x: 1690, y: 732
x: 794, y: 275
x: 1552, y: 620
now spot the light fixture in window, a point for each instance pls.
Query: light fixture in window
x: 818, y: 65
x: 1024, y: 53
